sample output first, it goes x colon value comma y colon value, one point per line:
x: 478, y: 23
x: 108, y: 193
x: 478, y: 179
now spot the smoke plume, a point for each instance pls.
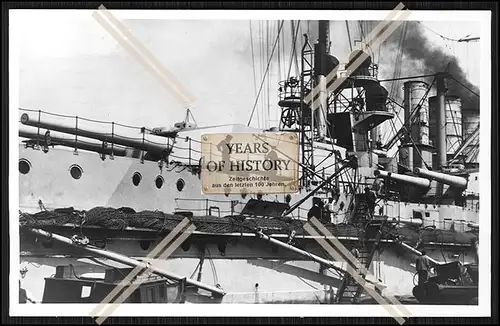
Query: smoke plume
x: 422, y: 58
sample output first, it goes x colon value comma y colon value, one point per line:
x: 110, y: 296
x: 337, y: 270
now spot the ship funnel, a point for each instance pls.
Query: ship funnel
x: 451, y: 180
x: 416, y: 181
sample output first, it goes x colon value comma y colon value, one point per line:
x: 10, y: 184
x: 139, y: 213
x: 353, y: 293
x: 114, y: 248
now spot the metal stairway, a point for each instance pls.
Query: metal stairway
x: 350, y: 290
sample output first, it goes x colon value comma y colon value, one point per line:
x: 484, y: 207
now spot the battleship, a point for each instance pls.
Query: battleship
x: 96, y: 197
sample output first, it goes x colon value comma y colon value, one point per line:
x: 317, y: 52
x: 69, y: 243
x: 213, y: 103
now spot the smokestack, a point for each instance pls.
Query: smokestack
x: 441, y: 120
x: 416, y: 151
x: 320, y: 59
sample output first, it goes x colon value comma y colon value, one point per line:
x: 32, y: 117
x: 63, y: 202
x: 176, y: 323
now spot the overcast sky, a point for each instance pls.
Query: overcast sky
x: 71, y: 65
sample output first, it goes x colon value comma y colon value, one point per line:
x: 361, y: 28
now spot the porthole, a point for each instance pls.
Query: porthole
x: 159, y: 181
x: 76, y: 171
x: 180, y: 184
x: 136, y: 178
x: 145, y: 244
x: 24, y: 166
x: 186, y: 245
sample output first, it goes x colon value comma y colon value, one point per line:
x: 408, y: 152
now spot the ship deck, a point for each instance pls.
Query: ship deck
x: 113, y: 222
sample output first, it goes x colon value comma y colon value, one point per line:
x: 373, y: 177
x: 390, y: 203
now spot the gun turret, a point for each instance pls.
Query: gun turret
x: 416, y: 181
x: 451, y: 180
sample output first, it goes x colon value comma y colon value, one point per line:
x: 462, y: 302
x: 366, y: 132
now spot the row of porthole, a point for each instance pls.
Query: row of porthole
x: 159, y: 181
x: 74, y: 170
x: 76, y: 173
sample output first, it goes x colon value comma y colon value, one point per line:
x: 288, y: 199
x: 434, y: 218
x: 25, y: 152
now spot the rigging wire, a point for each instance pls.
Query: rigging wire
x: 414, y: 144
x: 253, y: 67
x: 212, y: 266
x: 265, y: 57
x: 195, y: 269
x: 309, y: 284
x: 392, y: 124
x: 266, y: 120
x: 280, y: 48
x: 292, y: 49
x: 348, y: 35
x: 261, y: 56
x: 293, y: 52
x: 399, y: 58
x: 442, y: 36
x: 403, y: 78
x: 404, y: 123
x: 378, y: 55
x: 467, y: 88
x: 283, y: 68
x: 267, y: 70
x: 397, y: 72
x: 454, y: 123
x: 361, y: 30
x: 298, y: 71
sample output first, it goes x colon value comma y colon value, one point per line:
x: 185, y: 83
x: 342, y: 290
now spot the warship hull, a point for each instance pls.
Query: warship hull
x: 249, y: 269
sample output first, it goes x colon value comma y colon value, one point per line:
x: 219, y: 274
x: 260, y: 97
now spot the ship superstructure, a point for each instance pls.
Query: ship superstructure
x: 123, y: 188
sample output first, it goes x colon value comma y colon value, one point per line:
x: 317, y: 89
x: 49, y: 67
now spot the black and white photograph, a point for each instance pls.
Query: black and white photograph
x: 110, y: 114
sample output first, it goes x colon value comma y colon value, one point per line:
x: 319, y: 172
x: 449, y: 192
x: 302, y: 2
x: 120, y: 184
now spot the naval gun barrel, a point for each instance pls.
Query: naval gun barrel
x: 144, y: 266
x: 72, y: 143
x: 416, y: 181
x: 417, y: 252
x: 149, y: 143
x: 451, y: 180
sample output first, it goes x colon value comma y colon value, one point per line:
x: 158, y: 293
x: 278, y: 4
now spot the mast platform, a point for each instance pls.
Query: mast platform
x: 368, y: 120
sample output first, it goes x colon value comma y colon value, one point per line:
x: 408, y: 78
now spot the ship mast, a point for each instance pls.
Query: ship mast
x: 320, y: 56
x: 313, y: 116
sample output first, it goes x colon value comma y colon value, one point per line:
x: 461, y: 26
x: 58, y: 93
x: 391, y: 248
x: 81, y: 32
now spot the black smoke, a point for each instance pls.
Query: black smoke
x: 421, y: 57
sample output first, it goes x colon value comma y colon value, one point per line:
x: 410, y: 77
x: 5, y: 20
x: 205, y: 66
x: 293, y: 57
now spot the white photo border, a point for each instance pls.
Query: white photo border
x: 483, y: 309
